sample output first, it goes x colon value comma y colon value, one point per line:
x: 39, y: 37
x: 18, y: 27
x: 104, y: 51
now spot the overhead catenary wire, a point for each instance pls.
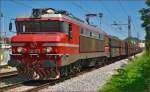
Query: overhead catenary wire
x: 87, y: 11
x: 126, y: 13
x: 8, y: 17
x: 97, y: 17
x: 109, y: 12
x: 107, y: 24
x: 21, y: 3
x: 113, y: 18
x: 83, y: 9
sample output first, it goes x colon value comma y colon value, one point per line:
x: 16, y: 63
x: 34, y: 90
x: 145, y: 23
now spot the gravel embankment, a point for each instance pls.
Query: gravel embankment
x: 91, y: 81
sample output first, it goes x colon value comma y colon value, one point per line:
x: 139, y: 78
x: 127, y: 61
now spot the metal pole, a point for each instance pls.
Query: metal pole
x: 129, y: 28
x: 100, y: 17
x: 138, y: 39
x: 1, y: 25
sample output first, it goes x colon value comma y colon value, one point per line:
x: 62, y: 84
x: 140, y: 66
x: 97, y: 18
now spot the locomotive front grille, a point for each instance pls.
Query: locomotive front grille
x: 34, y: 51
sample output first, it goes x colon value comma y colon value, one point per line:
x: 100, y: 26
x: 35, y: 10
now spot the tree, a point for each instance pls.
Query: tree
x: 145, y: 16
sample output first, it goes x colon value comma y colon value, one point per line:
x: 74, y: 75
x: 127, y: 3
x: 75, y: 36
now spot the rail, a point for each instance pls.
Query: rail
x: 35, y: 89
x: 11, y: 86
x: 3, y: 66
x: 8, y: 74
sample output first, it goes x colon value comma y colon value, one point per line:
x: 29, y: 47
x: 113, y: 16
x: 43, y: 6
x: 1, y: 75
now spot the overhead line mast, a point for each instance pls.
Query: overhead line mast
x: 125, y: 12
x: 129, y: 27
x: 1, y: 16
x: 113, y: 18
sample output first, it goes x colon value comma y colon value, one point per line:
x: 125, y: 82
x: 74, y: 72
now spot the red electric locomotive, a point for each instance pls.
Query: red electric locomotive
x: 52, y: 43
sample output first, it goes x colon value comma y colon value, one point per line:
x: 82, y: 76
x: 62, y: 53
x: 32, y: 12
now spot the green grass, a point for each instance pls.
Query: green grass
x: 133, y: 78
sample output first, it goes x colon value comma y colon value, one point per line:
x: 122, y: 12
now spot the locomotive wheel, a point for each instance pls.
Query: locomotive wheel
x: 54, y: 74
x: 78, y: 67
x: 64, y: 71
x: 20, y: 70
x: 71, y: 69
x: 106, y: 60
x: 100, y: 62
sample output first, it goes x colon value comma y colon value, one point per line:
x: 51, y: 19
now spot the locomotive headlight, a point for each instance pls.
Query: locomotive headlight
x: 19, y: 49
x: 48, y: 49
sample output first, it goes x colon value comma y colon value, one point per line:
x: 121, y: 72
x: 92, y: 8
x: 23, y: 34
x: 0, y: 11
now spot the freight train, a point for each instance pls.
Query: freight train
x: 51, y: 44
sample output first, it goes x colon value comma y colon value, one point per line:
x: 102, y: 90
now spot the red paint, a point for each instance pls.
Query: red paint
x: 38, y: 38
x: 106, y: 50
x: 50, y: 38
x: 88, y: 27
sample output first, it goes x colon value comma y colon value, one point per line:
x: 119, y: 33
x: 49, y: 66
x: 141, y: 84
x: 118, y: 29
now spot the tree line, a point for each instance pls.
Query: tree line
x: 145, y: 17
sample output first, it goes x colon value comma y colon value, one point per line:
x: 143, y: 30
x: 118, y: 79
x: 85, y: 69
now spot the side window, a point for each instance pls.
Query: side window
x: 70, y: 32
x: 94, y: 35
x: 82, y: 31
x: 88, y: 33
x: 102, y: 37
x: 65, y: 27
x: 99, y: 36
x: 70, y: 27
x: 91, y: 34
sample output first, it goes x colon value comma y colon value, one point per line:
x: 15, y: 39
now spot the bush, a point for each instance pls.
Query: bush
x: 132, y: 78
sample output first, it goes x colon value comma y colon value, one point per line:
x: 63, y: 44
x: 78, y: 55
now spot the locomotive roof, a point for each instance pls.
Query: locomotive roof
x: 74, y: 19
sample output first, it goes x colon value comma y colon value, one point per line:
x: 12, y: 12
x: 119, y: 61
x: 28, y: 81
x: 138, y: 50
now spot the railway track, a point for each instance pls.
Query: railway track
x: 35, y: 89
x: 41, y: 84
x: 51, y: 83
x: 5, y: 88
x: 45, y: 84
x: 3, y: 66
x: 8, y: 74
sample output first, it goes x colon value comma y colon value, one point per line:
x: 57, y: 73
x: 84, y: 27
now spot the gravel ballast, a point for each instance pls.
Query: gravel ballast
x: 91, y: 81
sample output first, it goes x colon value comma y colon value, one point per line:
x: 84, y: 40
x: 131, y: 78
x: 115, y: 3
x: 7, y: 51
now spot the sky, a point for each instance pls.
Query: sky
x: 112, y: 10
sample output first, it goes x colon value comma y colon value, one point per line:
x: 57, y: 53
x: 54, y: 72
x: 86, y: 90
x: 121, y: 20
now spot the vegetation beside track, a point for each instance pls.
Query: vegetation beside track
x: 132, y: 78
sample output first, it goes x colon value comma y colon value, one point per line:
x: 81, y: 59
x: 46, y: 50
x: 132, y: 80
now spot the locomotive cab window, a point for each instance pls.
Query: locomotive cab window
x: 65, y: 27
x: 41, y: 27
